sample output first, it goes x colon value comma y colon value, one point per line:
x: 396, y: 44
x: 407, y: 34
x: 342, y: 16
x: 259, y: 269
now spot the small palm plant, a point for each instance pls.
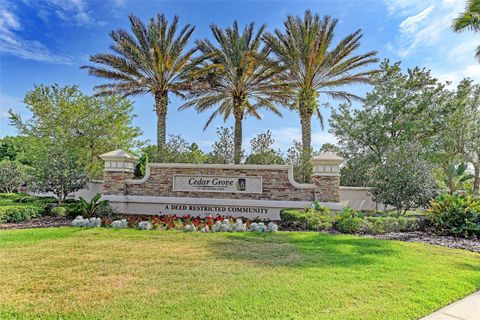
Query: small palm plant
x: 454, y: 176
x: 469, y: 20
x: 90, y: 208
x: 240, y: 78
x: 153, y: 59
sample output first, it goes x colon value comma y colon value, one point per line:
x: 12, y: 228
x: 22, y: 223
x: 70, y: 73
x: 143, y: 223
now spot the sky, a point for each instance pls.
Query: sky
x: 46, y: 42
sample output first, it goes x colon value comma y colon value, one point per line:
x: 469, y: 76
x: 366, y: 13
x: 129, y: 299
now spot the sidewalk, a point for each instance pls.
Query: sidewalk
x: 465, y: 309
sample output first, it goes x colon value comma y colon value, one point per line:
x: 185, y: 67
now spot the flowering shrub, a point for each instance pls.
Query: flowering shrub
x: 79, y: 221
x: 185, y: 223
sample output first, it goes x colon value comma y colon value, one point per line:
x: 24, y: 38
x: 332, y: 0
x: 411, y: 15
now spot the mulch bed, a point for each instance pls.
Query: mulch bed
x: 446, y: 241
x: 43, y: 222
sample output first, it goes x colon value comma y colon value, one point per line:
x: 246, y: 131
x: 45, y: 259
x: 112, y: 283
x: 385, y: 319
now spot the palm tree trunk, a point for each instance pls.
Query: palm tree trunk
x: 161, y: 104
x: 306, y: 123
x: 476, y: 179
x: 237, y: 136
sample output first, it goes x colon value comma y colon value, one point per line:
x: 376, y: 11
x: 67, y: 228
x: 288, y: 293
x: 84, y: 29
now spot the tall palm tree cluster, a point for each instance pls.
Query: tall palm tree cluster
x: 238, y: 73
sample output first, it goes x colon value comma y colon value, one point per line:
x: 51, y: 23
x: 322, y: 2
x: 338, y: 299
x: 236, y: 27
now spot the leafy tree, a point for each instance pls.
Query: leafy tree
x: 15, y: 149
x: 153, y: 59
x: 330, y: 147
x: 405, y: 178
x: 302, y: 167
x: 459, y: 138
x: 241, y: 79
x: 402, y: 107
x: 12, y: 175
x: 469, y: 20
x: 92, y: 125
x: 222, y: 149
x: 58, y: 169
x: 262, y: 150
x: 314, y: 66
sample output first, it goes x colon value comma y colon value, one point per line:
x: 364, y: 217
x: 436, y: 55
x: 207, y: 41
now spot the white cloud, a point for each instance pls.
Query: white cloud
x: 471, y: 71
x: 410, y: 24
x: 422, y: 27
x: 12, y: 43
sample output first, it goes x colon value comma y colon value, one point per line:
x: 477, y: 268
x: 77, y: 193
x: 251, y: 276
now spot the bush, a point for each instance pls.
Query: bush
x: 456, y: 214
x: 16, y: 213
x: 309, y: 219
x: 347, y: 224
x: 58, y: 211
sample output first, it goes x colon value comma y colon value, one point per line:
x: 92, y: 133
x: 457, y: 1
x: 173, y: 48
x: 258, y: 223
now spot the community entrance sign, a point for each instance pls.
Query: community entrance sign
x: 250, y: 191
x: 217, y: 184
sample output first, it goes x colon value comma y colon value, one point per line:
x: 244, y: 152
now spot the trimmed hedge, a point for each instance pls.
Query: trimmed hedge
x: 15, y: 213
x: 348, y: 221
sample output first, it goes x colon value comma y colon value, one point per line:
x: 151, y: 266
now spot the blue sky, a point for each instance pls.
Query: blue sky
x: 47, y: 41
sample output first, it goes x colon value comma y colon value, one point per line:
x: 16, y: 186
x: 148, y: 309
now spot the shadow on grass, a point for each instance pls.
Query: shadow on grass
x: 302, y: 250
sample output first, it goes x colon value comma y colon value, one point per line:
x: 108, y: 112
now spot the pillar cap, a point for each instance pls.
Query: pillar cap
x: 118, y: 160
x: 327, y: 157
x: 118, y: 155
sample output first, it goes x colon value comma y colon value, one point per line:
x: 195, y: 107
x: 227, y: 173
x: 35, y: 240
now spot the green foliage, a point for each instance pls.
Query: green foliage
x: 262, y: 150
x: 469, y: 20
x: 16, y: 213
x: 403, y: 107
x: 300, y: 158
x: 12, y: 175
x: 91, y: 208
x: 89, y: 125
x: 58, y: 170
x: 222, y: 149
x: 404, y: 180
x: 456, y: 214
x: 153, y: 59
x: 58, y: 211
x: 308, y: 219
x: 15, y: 149
x: 455, y: 176
x: 313, y: 65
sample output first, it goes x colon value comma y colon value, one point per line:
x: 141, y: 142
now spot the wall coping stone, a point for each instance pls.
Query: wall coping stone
x: 222, y: 166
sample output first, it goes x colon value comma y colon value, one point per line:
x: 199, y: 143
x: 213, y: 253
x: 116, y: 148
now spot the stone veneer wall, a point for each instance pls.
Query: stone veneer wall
x: 275, y: 182
x: 114, y: 182
x: 327, y: 188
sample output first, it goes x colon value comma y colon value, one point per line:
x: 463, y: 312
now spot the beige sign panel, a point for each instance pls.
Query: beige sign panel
x: 223, y: 184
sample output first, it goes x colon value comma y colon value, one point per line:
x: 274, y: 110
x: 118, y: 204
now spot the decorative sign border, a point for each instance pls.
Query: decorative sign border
x: 206, y: 189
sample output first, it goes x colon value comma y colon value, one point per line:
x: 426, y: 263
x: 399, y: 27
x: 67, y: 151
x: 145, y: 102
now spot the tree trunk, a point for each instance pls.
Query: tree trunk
x: 476, y: 180
x: 306, y: 124
x: 161, y: 104
x: 237, y: 136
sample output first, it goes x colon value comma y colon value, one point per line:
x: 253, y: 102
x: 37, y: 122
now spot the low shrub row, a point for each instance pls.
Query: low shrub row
x: 347, y: 221
x: 15, y: 213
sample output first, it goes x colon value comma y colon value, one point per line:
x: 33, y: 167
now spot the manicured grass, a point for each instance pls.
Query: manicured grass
x: 73, y: 273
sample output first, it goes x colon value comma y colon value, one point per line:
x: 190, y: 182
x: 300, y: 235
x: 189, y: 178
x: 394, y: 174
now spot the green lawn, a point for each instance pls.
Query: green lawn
x: 73, y: 273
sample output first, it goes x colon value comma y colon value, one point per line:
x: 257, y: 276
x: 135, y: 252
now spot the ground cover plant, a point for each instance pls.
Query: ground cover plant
x: 320, y: 218
x: 20, y: 207
x: 131, y: 274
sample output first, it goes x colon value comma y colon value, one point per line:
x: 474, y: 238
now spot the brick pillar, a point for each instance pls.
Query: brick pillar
x: 119, y: 167
x: 326, y: 177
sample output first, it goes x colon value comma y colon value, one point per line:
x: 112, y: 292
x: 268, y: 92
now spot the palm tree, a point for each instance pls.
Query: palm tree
x: 152, y: 60
x: 469, y: 20
x: 314, y: 66
x: 241, y: 78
